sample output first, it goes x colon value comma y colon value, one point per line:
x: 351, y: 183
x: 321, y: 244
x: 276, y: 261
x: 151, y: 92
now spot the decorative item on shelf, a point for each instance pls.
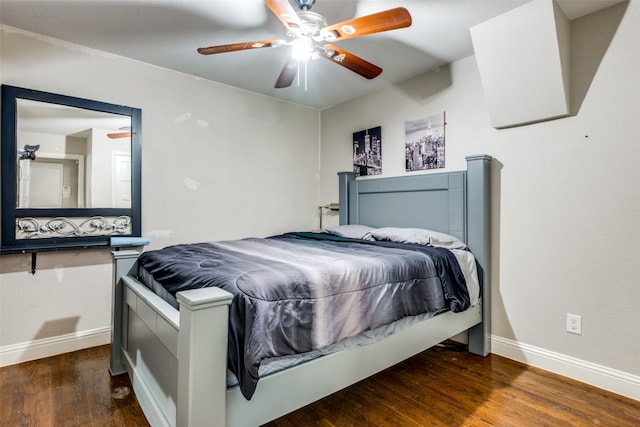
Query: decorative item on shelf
x: 335, y: 207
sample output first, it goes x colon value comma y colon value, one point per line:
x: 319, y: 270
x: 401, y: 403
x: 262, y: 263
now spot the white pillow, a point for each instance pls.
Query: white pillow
x: 418, y: 236
x: 352, y: 231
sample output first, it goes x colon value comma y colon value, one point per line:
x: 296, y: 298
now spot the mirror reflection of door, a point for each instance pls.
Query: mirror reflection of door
x: 41, y: 185
x: 72, y: 188
x: 121, y: 180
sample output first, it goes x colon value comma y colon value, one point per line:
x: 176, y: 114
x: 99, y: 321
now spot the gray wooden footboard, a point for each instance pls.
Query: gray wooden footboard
x: 177, y: 359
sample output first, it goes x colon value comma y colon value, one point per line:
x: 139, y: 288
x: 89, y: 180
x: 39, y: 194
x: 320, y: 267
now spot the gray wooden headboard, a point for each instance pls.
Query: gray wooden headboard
x: 456, y: 203
x: 435, y: 202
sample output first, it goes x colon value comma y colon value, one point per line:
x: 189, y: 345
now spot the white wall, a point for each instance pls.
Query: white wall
x: 218, y: 163
x: 566, y: 198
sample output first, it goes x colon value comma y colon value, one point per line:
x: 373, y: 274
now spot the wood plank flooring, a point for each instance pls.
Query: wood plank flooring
x: 443, y: 386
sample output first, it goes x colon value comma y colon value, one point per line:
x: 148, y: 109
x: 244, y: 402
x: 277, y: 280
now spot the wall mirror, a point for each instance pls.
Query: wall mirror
x: 70, y: 171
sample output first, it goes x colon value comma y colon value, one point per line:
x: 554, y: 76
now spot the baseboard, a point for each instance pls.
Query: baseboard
x: 46, y: 347
x: 615, y: 381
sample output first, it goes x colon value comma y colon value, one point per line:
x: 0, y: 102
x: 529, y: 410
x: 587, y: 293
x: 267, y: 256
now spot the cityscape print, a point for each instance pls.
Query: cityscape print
x: 424, y: 143
x: 367, y: 152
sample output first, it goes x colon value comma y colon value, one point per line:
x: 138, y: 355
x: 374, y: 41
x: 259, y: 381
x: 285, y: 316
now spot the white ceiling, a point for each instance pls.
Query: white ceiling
x: 168, y: 32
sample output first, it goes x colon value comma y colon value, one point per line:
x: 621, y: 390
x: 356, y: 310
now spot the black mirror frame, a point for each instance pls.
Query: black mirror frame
x: 8, y: 149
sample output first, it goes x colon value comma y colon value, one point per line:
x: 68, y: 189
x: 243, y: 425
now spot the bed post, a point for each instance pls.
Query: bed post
x: 344, y: 178
x: 123, y: 264
x: 202, y: 357
x: 479, y: 242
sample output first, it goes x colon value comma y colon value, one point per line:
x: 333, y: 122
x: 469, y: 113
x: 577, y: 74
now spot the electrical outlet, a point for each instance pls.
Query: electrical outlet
x: 574, y: 324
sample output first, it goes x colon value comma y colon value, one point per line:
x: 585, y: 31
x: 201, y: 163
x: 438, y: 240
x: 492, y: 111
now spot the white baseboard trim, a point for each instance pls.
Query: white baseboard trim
x: 46, y: 347
x: 619, y: 382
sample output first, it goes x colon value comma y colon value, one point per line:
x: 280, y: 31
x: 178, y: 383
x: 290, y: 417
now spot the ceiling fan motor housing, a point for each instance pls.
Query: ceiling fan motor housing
x: 305, y: 4
x: 312, y: 24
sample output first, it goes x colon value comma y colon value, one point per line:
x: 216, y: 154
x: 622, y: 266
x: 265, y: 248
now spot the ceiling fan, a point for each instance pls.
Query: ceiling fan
x: 310, y: 37
x: 125, y: 132
x: 119, y: 135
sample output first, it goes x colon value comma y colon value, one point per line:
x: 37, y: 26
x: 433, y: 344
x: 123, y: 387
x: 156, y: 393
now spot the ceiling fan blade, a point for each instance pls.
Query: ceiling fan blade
x: 119, y: 135
x: 391, y: 19
x: 287, y: 75
x: 350, y: 61
x: 239, y: 46
x: 284, y: 12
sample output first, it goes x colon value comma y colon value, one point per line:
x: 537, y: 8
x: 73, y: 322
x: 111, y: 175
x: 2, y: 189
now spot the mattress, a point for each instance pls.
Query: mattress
x: 310, y: 293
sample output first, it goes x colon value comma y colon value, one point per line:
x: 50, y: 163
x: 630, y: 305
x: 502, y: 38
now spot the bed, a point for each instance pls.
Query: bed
x: 177, y: 359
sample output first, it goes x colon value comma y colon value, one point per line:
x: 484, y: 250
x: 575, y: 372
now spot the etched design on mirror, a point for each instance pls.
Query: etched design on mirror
x: 35, y: 228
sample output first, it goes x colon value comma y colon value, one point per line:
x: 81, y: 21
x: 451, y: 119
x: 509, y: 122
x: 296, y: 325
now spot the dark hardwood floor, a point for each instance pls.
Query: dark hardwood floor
x: 72, y: 389
x: 443, y: 386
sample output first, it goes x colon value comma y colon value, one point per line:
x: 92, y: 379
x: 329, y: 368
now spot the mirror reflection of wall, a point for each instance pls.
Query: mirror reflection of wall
x: 83, y: 159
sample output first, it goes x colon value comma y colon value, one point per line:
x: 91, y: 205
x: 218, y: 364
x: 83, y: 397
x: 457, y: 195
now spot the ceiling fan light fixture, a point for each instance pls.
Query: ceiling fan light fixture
x: 302, y: 49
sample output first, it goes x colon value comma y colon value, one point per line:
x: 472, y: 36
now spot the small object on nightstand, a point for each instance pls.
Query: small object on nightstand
x: 330, y: 207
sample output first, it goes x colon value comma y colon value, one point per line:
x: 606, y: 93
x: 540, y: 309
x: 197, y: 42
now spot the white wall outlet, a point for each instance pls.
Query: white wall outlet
x: 574, y: 324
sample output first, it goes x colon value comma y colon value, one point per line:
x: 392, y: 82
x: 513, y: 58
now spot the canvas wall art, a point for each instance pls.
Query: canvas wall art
x: 424, y: 143
x: 367, y: 152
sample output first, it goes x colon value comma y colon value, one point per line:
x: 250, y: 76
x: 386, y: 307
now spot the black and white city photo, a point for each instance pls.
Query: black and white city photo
x: 424, y: 142
x: 367, y: 152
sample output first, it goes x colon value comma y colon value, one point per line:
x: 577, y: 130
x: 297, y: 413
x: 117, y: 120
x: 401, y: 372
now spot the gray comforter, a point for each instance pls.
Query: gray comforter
x: 303, y: 291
